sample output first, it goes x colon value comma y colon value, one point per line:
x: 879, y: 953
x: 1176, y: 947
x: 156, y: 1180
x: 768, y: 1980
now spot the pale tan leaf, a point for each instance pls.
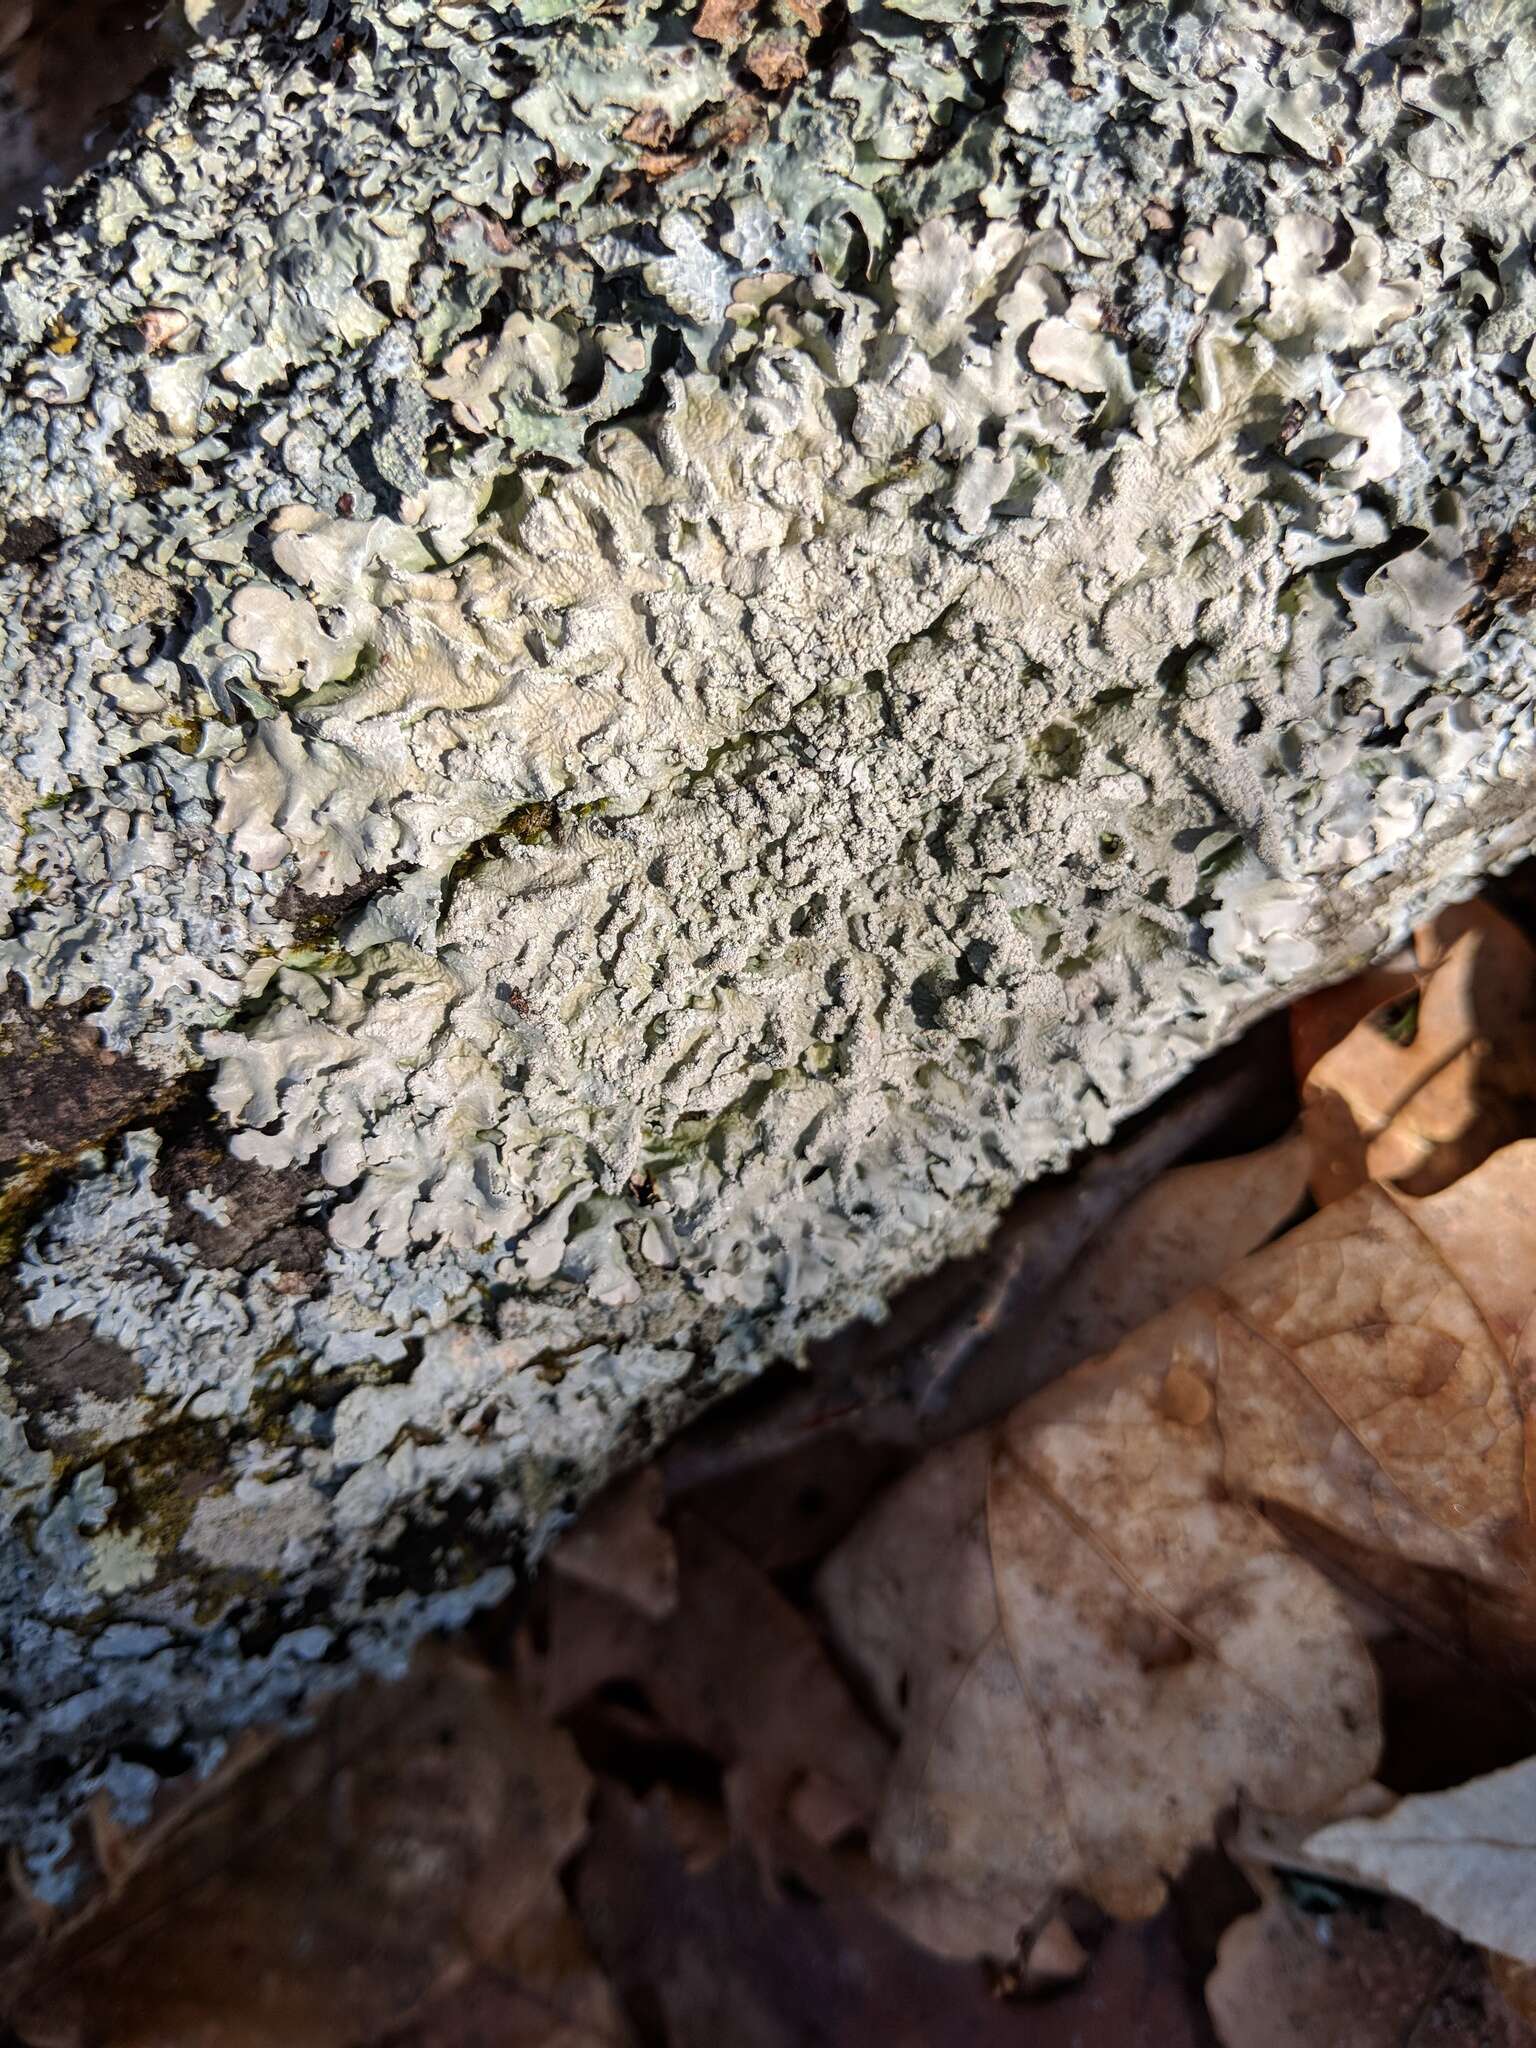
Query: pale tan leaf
x: 1375, y: 1369
x: 1089, y: 1665
x: 1092, y: 1634
x: 1172, y: 1651
x: 1056, y: 1957
x: 1468, y: 1856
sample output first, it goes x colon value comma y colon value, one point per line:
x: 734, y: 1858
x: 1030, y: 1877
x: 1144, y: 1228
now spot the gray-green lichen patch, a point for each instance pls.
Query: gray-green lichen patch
x: 670, y: 664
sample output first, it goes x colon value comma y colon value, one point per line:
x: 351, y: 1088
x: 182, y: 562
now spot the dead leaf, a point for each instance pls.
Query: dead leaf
x: 734, y: 1671
x: 1375, y: 1368
x: 1286, y: 1978
x: 1056, y: 1957
x: 621, y: 1546
x: 542, y: 1989
x: 1434, y: 1079
x: 1188, y: 1227
x: 1088, y: 1630
x: 1089, y: 1653
x: 1468, y: 1856
x: 1321, y: 1021
x: 325, y: 1894
x: 1516, y: 1984
x: 718, y: 1961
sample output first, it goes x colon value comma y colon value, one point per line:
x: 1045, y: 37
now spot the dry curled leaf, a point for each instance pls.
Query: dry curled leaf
x: 1467, y: 1855
x: 1439, y: 1073
x: 323, y: 1896
x: 1091, y: 1632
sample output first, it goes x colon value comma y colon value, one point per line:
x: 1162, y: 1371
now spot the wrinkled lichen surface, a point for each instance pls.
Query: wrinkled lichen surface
x: 647, y: 657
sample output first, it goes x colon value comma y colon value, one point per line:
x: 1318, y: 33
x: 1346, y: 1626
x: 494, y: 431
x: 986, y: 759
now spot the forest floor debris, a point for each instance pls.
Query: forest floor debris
x: 1133, y: 1641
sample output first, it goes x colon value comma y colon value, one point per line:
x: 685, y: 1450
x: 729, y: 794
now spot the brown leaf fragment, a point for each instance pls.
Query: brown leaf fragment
x: 724, y: 21
x: 656, y: 165
x: 720, y: 1962
x: 327, y: 1892
x: 1467, y: 1855
x: 1503, y: 565
x: 735, y: 1671
x: 1436, y: 1077
x: 621, y: 1546
x: 1516, y: 1983
x: 734, y: 122
x: 812, y: 12
x: 1388, y: 1978
x: 654, y: 136
x: 1088, y: 1630
x: 1188, y: 1227
x: 1322, y: 1020
x: 540, y: 1989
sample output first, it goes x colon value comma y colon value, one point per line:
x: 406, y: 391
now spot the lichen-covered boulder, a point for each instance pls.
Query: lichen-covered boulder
x: 648, y: 656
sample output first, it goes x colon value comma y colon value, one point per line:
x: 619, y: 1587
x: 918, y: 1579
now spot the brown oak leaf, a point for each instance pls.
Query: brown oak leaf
x: 1095, y: 1628
x: 1439, y: 1073
x: 326, y: 1893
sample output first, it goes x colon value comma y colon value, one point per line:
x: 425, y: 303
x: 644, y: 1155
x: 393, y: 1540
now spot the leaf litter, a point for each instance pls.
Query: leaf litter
x: 926, y: 1698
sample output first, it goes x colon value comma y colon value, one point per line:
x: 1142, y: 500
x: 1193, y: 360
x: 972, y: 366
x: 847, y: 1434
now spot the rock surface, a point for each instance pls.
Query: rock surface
x: 649, y: 656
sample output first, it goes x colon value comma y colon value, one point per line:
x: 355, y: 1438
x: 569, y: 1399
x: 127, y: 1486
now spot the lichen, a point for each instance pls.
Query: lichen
x: 670, y: 662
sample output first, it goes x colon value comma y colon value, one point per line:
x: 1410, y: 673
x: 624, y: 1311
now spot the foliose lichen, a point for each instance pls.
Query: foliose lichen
x: 668, y: 651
